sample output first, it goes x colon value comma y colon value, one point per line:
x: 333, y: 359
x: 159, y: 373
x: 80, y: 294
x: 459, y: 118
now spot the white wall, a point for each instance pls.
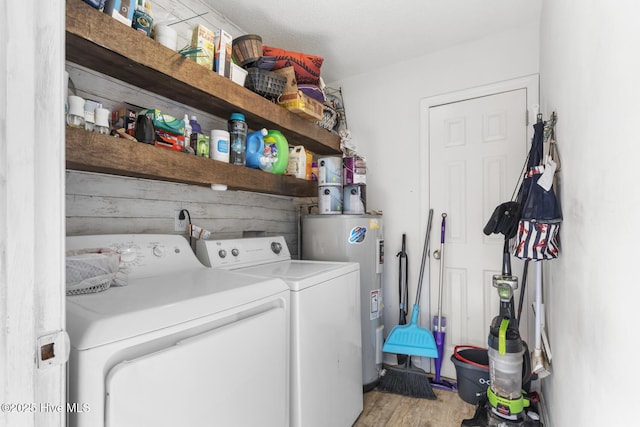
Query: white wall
x: 383, y: 114
x: 589, y: 66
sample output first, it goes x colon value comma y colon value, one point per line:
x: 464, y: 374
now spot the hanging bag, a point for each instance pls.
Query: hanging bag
x: 537, y: 237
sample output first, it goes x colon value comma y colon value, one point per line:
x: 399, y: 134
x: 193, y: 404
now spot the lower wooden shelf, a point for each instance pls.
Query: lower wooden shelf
x: 93, y: 152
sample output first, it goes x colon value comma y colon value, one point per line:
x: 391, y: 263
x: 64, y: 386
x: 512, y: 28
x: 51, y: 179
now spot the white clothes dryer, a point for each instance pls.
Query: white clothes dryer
x: 180, y: 345
x: 326, y: 343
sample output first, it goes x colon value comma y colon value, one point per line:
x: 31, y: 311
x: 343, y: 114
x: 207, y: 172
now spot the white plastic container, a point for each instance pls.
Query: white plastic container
x: 354, y: 199
x: 297, y: 165
x: 238, y: 74
x: 166, y: 36
x: 330, y: 171
x: 219, y: 145
x: 330, y: 200
x: 102, y: 121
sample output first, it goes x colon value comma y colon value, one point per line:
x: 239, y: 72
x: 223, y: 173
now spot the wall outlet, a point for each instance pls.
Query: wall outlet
x: 180, y: 224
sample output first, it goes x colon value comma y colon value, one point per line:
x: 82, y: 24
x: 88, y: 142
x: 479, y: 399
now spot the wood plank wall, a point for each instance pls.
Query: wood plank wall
x: 105, y: 204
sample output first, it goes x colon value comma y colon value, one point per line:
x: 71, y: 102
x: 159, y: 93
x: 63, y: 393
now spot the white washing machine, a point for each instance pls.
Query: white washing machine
x: 180, y: 345
x: 326, y: 344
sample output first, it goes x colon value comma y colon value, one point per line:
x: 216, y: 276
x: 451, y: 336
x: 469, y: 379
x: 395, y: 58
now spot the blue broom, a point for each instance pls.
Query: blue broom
x: 411, y: 339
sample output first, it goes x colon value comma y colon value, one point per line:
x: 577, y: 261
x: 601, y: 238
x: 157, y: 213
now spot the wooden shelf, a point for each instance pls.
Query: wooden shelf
x: 90, y: 151
x: 99, y: 42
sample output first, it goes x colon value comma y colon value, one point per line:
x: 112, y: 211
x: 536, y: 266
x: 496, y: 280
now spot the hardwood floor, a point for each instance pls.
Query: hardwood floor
x: 390, y: 410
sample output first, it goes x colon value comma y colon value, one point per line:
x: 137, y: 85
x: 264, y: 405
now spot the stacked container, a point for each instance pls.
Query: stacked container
x: 330, y: 185
x: 355, y: 180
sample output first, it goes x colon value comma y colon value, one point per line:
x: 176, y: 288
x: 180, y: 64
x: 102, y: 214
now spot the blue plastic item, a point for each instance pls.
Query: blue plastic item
x: 255, y: 148
x: 412, y: 339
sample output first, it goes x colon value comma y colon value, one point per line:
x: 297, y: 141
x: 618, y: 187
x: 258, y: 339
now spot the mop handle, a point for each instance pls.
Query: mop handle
x: 442, y: 230
x: 425, y: 252
x: 538, y: 304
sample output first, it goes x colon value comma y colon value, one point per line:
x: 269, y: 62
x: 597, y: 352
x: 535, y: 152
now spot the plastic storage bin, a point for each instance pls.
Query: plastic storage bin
x: 265, y: 83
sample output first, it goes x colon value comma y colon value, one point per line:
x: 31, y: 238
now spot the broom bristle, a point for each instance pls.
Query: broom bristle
x: 406, y: 381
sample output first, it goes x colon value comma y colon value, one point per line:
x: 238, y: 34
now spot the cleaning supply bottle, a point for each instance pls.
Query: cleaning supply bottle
x: 187, y: 128
x: 237, y: 134
x: 195, y: 130
x: 187, y: 131
x: 255, y: 149
x: 277, y: 147
x: 297, y: 164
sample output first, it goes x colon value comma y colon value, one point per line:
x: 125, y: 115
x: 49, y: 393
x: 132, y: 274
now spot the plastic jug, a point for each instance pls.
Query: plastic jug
x: 276, y: 147
x: 297, y: 164
x: 255, y: 148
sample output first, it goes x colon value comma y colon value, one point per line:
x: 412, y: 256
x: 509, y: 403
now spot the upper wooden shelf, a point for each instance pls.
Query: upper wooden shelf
x: 99, y: 42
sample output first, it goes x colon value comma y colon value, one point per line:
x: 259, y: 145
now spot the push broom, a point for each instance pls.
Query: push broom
x: 410, y: 340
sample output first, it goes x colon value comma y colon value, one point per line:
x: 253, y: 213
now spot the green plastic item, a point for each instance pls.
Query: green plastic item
x: 276, y: 139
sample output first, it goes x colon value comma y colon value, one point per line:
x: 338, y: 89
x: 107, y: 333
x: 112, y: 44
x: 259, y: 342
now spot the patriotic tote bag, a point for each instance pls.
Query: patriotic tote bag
x: 537, y: 237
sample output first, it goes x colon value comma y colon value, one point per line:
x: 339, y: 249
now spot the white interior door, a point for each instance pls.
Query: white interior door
x: 477, y: 147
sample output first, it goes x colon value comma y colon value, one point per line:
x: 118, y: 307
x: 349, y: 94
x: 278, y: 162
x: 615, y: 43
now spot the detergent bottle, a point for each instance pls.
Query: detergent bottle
x: 276, y: 147
x: 255, y: 148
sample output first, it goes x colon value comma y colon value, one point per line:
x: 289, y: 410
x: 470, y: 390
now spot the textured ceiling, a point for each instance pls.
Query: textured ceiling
x: 355, y: 35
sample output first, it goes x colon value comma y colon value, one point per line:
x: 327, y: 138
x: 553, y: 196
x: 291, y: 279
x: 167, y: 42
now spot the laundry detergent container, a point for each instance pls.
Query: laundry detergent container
x: 472, y: 372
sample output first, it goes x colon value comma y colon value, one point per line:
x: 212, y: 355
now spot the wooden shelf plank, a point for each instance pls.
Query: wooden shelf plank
x: 93, y: 152
x: 99, y: 42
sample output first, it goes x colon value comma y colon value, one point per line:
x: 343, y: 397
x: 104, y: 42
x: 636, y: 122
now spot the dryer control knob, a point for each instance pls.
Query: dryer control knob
x: 276, y: 247
x: 222, y: 253
x: 158, y: 251
x: 235, y: 252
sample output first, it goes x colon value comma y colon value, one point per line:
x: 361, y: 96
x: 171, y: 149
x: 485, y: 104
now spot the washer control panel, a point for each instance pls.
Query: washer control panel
x: 236, y: 253
x: 142, y: 255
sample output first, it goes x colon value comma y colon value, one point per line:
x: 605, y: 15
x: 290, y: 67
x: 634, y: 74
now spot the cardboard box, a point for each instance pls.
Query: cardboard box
x: 204, y: 39
x: 165, y: 122
x: 121, y: 10
x: 354, y: 171
x: 223, y: 43
x: 169, y: 140
x: 124, y: 116
x: 302, y: 105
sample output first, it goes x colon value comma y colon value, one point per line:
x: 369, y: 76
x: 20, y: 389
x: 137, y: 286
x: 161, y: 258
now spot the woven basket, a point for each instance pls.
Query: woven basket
x: 247, y: 49
x: 329, y: 118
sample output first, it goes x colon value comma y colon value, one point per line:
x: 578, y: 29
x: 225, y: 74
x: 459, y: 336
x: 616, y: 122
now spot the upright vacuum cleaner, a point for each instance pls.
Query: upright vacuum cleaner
x: 506, y: 404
